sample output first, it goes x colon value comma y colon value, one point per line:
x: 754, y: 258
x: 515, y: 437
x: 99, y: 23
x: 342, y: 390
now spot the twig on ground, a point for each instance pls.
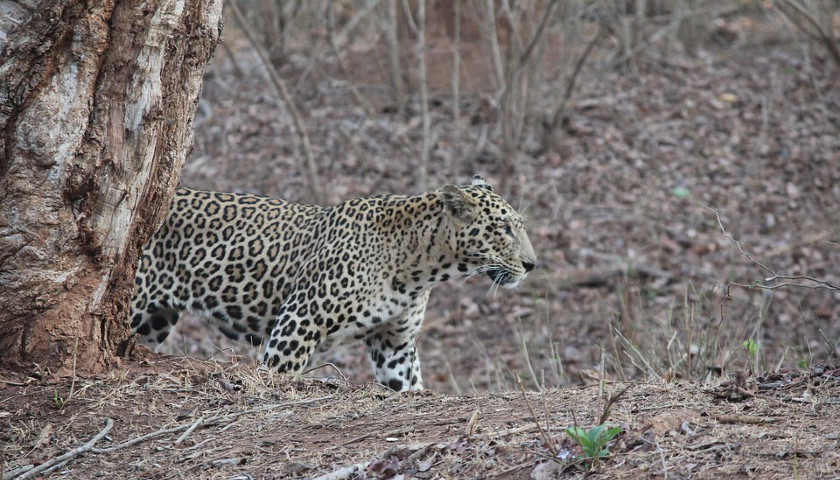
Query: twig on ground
x: 511, y: 431
x: 745, y: 419
x: 189, y: 431
x: 14, y: 384
x: 327, y: 364
x: 207, y: 421
x: 67, y: 456
x: 610, y: 401
x: 352, y: 470
x: 661, y: 457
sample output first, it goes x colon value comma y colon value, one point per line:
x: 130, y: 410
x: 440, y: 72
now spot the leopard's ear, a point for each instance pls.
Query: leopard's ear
x: 457, y: 205
x: 478, y: 181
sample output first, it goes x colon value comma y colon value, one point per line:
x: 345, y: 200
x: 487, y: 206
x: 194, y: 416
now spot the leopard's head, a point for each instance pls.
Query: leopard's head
x: 488, y: 235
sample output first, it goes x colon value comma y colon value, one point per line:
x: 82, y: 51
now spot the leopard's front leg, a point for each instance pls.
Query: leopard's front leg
x: 292, y: 341
x: 392, y: 348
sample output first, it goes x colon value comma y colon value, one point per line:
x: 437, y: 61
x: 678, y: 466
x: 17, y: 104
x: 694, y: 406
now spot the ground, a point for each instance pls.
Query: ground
x: 658, y: 170
x: 184, y: 418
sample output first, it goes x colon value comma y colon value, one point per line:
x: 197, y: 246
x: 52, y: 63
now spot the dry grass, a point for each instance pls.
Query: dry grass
x: 179, y: 418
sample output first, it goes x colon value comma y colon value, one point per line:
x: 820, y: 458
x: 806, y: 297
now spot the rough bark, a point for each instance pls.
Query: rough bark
x: 97, y: 100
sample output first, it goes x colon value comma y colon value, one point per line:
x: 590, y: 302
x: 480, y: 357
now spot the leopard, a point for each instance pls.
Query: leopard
x: 292, y: 278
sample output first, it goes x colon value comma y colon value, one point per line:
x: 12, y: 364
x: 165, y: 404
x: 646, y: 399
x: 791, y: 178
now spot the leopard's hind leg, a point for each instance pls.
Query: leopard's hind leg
x: 154, y: 323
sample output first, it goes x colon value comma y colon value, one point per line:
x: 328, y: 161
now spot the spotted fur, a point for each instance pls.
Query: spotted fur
x: 292, y: 277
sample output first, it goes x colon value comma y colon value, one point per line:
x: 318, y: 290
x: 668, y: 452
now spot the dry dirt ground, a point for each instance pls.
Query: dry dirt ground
x: 629, y: 292
x: 162, y: 418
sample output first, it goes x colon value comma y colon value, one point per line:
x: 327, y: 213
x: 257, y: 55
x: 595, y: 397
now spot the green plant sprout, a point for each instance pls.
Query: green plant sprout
x: 751, y: 347
x: 593, y: 441
x: 58, y: 400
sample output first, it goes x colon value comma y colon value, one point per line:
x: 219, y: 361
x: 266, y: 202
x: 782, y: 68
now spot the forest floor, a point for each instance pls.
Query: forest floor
x: 181, y: 418
x: 627, y: 213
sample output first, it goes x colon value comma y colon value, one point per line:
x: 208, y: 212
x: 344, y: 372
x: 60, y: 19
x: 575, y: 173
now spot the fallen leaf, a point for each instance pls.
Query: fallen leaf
x: 44, y: 437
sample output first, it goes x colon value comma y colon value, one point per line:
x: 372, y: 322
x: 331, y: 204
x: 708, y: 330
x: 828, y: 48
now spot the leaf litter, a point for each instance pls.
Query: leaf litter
x: 625, y: 246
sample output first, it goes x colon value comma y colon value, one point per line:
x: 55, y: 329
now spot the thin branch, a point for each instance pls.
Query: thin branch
x: 456, y: 74
x: 538, y: 34
x: 393, y: 47
x: 342, y: 35
x: 424, y: 93
x: 817, y: 283
x: 69, y: 455
x: 610, y: 401
x: 570, y: 84
x: 280, y: 86
x: 191, y: 429
x: 826, y: 37
x: 327, y: 364
x: 353, y: 471
x: 410, y: 19
x: 357, y: 95
x: 736, y: 242
x: 207, y: 421
x: 493, y: 41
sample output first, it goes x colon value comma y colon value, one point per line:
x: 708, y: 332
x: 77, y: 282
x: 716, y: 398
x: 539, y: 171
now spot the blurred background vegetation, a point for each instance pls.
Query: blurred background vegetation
x: 629, y: 133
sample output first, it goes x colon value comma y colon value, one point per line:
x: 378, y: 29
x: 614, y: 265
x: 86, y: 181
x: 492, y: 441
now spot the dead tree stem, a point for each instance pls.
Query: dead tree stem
x: 311, y: 170
x: 424, y: 92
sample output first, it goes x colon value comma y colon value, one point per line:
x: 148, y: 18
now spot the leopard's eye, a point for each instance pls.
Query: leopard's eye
x: 508, y: 230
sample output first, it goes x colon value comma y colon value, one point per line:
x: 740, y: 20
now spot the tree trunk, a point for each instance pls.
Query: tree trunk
x: 97, y: 100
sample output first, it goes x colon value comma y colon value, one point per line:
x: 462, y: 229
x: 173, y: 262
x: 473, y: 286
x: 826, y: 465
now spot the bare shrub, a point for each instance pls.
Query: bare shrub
x: 817, y: 20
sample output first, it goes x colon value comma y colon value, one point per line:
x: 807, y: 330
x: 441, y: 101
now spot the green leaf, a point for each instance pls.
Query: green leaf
x: 681, y: 192
x: 593, y: 442
x: 610, y: 434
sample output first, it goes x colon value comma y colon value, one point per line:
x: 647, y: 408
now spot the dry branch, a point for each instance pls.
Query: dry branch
x: 424, y: 93
x: 823, y: 34
x: 208, y: 421
x: 745, y: 419
x: 67, y: 456
x: 189, y: 431
x: 549, y: 442
x: 357, y: 95
x: 393, y: 47
x: 456, y: 76
x: 341, y: 37
x: 352, y: 471
x: 560, y: 109
x: 311, y: 170
x: 511, y: 431
x: 492, y: 38
x: 813, y: 283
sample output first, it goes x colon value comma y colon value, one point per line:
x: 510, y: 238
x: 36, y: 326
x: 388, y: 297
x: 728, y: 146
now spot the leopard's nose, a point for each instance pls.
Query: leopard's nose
x: 528, y: 266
